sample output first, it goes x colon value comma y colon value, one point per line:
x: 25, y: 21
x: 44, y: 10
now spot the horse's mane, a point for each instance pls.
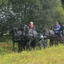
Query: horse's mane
x: 47, y: 31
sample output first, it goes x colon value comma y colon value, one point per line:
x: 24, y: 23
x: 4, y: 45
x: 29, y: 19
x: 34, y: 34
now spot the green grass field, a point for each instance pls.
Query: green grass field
x: 51, y: 55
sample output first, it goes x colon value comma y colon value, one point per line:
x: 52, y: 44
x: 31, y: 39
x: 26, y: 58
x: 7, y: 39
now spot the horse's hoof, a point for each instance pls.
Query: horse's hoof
x: 19, y: 51
x: 41, y: 48
x: 13, y: 50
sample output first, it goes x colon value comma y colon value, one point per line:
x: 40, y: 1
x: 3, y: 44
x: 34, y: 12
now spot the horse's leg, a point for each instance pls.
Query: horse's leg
x: 57, y: 42
x: 13, y: 46
x: 23, y: 46
x: 63, y: 41
x: 19, y: 46
x: 30, y: 48
x: 27, y: 47
x: 46, y: 45
x: 51, y: 42
x: 41, y: 45
x: 28, y: 44
x: 34, y: 48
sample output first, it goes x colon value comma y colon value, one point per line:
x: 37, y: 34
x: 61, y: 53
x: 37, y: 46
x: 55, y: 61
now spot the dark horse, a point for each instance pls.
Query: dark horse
x: 16, y: 37
x: 31, y: 38
x: 24, y: 29
x: 53, y: 37
x: 50, y: 35
x: 28, y: 36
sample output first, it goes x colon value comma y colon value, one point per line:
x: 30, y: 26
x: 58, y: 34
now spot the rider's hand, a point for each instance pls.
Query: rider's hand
x: 55, y: 29
x: 61, y: 31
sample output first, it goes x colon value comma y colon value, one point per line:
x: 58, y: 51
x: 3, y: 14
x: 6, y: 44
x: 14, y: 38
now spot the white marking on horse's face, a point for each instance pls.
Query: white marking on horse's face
x: 42, y: 36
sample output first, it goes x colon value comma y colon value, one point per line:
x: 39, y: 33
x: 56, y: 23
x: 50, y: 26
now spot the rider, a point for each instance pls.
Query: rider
x: 32, y: 29
x: 56, y: 28
x: 62, y: 30
x: 31, y: 26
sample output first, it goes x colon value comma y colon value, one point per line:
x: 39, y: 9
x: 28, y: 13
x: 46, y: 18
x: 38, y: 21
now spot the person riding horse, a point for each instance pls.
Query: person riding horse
x: 32, y: 29
x: 56, y: 29
x: 62, y: 32
x: 31, y: 26
x: 31, y: 36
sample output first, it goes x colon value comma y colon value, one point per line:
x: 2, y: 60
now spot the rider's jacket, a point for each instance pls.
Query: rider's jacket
x: 56, y: 27
x: 62, y: 29
x: 31, y: 27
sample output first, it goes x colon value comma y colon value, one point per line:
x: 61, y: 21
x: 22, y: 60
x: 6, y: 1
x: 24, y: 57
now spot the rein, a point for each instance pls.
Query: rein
x: 58, y: 37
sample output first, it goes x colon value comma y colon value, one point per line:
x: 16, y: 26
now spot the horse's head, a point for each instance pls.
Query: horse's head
x: 43, y: 30
x: 14, y: 30
x: 24, y: 28
x: 47, y: 32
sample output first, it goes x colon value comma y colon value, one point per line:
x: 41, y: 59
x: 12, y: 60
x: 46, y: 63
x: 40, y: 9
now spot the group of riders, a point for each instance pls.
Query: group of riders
x: 58, y: 30
x: 32, y: 36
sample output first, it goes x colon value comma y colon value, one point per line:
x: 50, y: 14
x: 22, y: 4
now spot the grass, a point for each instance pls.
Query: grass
x: 7, y: 48
x: 51, y: 55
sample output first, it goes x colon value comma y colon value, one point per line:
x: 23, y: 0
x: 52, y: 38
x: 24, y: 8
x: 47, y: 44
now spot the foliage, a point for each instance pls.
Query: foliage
x: 3, y: 3
x: 60, y: 13
x: 41, y: 12
x: 46, y: 13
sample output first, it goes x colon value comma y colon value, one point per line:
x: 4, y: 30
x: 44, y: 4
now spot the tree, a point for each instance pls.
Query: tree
x: 17, y: 12
x: 45, y: 15
x: 41, y: 12
x: 49, y: 13
x: 59, y: 13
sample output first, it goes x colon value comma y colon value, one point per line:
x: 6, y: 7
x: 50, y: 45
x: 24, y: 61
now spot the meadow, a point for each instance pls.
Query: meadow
x: 51, y: 55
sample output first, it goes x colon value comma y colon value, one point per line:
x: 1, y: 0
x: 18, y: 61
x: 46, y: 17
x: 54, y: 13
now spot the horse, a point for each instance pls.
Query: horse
x: 27, y: 35
x: 52, y: 36
x: 24, y: 28
x: 32, y: 38
x: 16, y: 37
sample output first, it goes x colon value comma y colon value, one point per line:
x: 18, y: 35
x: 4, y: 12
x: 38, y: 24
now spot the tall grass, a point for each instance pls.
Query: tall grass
x: 51, y: 55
